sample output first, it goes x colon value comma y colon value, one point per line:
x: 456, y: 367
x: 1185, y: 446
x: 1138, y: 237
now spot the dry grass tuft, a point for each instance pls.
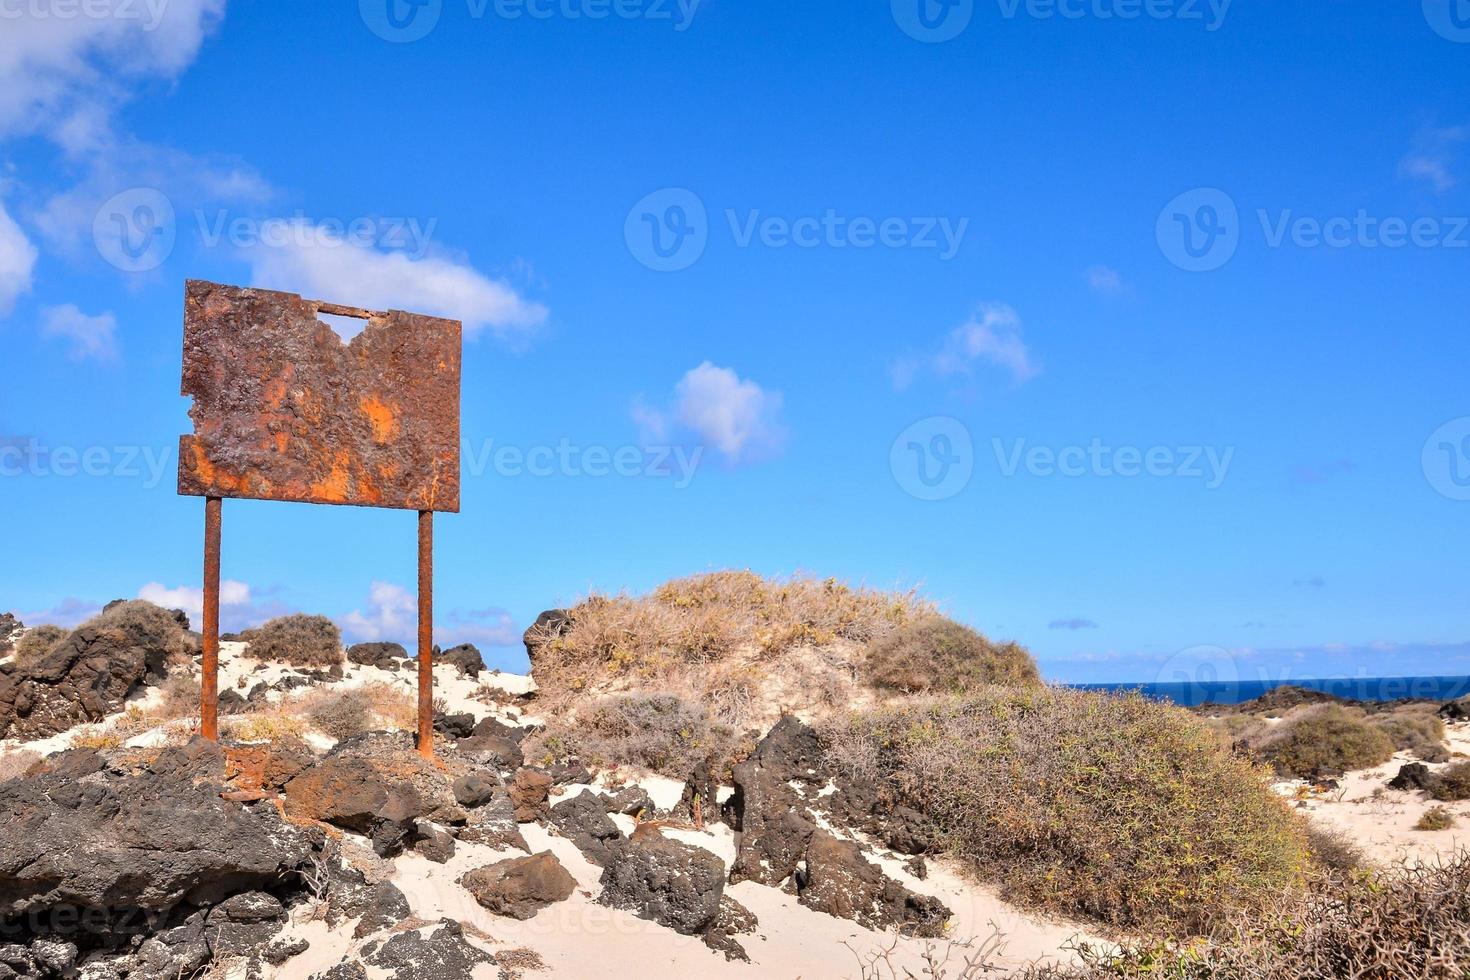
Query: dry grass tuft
x: 299, y: 640
x: 347, y: 712
x: 1116, y: 808
x: 271, y: 725
x: 38, y: 641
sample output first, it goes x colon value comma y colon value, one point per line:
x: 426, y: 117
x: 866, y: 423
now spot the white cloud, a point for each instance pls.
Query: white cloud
x: 991, y: 336
x: 392, y: 614
x: 1104, y: 279
x: 17, y: 262
x: 64, y: 67
x: 316, y: 262
x: 737, y: 417
x: 88, y: 336
x: 191, y: 599
x: 1435, y: 156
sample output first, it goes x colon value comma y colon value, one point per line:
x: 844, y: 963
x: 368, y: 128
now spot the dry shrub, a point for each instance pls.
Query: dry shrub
x: 263, y: 726
x: 299, y: 640
x: 1118, y: 808
x: 1453, y: 784
x: 1411, y: 921
x: 1435, y: 818
x: 660, y: 733
x: 179, y: 700
x: 1325, y: 738
x: 341, y: 714
x: 38, y: 641
x: 706, y: 618
x: 1417, y: 729
x: 1333, y: 850
x: 97, y: 738
x: 348, y: 712
x: 151, y: 625
x: 935, y: 655
x: 15, y: 764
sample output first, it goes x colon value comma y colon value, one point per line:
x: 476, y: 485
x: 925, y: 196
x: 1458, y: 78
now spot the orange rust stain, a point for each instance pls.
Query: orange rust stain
x: 275, y: 392
x: 334, y: 486
x: 281, y: 440
x: 382, y: 417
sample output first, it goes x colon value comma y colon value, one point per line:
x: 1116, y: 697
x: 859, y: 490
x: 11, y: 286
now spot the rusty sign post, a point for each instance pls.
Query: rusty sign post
x: 285, y: 410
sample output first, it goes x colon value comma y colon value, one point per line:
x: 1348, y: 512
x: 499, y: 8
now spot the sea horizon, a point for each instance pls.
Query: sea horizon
x: 1191, y: 694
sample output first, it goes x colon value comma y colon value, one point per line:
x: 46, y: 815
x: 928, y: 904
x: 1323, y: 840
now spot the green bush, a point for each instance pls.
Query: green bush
x: 1325, y: 738
x: 935, y: 655
x: 299, y: 640
x: 1117, y: 808
x: 38, y: 641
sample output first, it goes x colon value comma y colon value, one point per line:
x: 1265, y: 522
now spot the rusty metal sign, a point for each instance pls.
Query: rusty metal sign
x: 285, y: 410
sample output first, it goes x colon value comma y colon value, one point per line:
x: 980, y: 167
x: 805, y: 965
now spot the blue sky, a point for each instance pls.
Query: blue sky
x: 1136, y: 332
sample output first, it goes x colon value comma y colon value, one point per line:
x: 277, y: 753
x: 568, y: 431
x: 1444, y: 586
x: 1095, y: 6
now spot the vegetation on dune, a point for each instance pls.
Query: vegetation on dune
x: 679, y: 678
x: 1117, y: 808
x: 1452, y: 785
x: 935, y: 655
x: 298, y: 640
x: 661, y: 733
x: 348, y: 712
x: 1325, y: 738
x: 1386, y: 925
x: 1415, y: 728
x: 707, y: 618
x: 1435, y: 818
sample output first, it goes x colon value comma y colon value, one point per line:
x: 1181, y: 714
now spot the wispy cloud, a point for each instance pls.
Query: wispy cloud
x: 1105, y: 280
x: 482, y: 627
x: 17, y: 262
x: 1313, y: 582
x: 992, y: 337
x: 320, y: 263
x: 715, y: 406
x: 1435, y: 158
x: 1075, y: 623
x: 87, y: 337
x: 64, y: 76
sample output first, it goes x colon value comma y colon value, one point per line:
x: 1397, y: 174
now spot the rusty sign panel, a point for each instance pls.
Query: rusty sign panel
x: 285, y: 410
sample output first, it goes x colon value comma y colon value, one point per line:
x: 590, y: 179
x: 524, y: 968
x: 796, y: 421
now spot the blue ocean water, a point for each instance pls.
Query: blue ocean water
x: 1192, y: 693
